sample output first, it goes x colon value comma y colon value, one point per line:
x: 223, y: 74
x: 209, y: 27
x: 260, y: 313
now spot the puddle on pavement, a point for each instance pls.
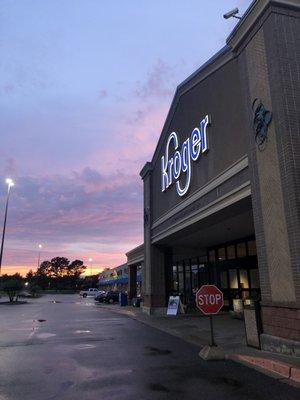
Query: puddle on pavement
x: 45, y: 335
x: 226, y: 381
x: 84, y: 346
x: 157, y: 387
x: 154, y: 351
x: 102, y: 378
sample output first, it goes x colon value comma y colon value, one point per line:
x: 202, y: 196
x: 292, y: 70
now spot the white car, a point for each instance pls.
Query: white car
x: 91, y: 292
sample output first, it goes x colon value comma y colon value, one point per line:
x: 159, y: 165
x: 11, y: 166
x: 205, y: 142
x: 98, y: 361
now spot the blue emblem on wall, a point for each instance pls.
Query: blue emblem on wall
x: 261, y: 121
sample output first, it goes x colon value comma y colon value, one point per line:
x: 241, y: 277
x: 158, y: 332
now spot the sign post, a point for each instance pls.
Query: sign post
x: 209, y: 300
x: 212, y: 339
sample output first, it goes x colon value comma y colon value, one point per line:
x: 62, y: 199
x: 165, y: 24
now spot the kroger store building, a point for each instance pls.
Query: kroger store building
x: 222, y: 191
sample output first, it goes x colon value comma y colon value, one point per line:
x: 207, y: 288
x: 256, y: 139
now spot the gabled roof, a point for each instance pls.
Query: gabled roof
x: 208, y: 68
x: 238, y: 35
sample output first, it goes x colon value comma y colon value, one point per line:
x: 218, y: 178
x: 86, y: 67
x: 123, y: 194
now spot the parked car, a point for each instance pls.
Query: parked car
x: 91, y: 292
x: 25, y: 295
x: 100, y: 296
x: 111, y: 297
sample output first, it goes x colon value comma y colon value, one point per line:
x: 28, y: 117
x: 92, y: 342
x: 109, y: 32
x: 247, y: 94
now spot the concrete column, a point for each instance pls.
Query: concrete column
x: 143, y: 278
x: 131, y: 282
x: 168, y: 271
x: 154, y: 288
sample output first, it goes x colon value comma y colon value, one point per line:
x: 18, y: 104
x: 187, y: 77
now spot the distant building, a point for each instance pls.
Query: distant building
x: 116, y: 279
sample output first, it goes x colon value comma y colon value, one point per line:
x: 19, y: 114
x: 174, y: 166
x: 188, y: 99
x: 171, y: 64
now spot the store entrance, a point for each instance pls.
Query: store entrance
x: 231, y: 266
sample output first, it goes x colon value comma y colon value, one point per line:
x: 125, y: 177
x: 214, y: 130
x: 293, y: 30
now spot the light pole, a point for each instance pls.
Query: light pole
x: 10, y: 184
x: 91, y: 265
x: 39, y: 257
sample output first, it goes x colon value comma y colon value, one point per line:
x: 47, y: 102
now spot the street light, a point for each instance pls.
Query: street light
x: 91, y: 264
x: 39, y: 257
x: 10, y: 184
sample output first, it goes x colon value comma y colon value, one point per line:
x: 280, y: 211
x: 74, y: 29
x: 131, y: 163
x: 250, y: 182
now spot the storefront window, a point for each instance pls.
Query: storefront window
x: 252, y: 248
x: 175, y: 278
x: 245, y: 296
x: 202, y: 259
x: 241, y: 250
x: 244, y: 279
x: 203, y: 274
x: 194, y: 280
x: 180, y: 279
x: 254, y: 277
x: 212, y: 256
x: 188, y: 287
x: 223, y: 279
x: 221, y: 254
x: 236, y: 277
x: 194, y: 265
x: 233, y: 280
x: 231, y: 252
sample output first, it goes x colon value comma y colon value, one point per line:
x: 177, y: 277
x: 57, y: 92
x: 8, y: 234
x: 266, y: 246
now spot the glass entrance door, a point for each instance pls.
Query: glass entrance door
x: 236, y: 271
x: 232, y: 267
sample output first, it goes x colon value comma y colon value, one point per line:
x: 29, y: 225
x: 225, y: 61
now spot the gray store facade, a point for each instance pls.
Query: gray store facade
x: 221, y: 193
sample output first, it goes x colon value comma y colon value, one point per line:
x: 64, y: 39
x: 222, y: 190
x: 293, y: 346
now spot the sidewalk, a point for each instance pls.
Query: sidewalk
x: 229, y: 334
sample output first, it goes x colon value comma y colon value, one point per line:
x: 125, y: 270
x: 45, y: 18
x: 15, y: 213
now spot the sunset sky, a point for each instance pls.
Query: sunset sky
x: 85, y: 87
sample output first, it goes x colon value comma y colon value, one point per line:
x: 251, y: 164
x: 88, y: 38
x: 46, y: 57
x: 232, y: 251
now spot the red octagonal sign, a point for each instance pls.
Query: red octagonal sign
x: 209, y: 299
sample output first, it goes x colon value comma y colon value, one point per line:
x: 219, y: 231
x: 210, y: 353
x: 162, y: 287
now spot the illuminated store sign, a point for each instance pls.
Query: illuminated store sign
x: 180, y: 162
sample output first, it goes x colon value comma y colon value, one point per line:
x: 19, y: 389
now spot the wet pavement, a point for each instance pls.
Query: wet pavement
x: 73, y: 349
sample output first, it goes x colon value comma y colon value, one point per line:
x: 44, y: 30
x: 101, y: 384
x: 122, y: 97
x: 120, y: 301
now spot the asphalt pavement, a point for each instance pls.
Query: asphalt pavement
x: 68, y: 348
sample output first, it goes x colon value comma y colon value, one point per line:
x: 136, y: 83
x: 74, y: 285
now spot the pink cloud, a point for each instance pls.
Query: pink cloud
x: 96, y: 208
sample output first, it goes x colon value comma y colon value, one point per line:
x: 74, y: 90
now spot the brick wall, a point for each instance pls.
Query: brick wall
x: 270, y: 69
x: 281, y: 321
x: 282, y: 37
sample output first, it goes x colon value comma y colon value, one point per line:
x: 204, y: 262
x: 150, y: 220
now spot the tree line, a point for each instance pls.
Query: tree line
x: 57, y: 274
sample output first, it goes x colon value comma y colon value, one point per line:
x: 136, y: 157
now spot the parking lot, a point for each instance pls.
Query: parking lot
x: 66, y: 347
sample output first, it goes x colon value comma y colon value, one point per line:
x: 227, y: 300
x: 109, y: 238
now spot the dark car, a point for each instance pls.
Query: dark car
x: 111, y: 297
x: 100, y: 297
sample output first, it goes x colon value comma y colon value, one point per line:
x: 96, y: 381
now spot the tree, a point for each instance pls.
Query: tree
x: 89, y: 281
x: 59, y: 273
x: 12, y: 287
x: 45, y: 269
x: 30, y: 276
x: 34, y: 289
x: 74, y: 271
x: 76, y: 268
x: 42, y: 277
x: 59, y: 266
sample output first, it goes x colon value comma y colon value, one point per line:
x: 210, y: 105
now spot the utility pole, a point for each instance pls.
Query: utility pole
x: 10, y: 184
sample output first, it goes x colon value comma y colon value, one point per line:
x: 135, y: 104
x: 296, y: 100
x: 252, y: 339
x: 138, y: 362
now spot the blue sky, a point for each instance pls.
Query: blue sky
x: 85, y: 87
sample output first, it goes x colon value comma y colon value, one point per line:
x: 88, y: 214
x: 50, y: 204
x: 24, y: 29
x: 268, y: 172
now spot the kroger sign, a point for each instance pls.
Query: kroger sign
x: 172, y: 168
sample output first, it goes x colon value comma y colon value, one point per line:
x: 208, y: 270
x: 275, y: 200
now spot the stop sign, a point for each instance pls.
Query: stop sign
x: 209, y: 299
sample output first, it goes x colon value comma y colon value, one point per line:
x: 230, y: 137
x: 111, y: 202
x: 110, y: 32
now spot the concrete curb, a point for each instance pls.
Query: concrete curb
x: 281, y: 368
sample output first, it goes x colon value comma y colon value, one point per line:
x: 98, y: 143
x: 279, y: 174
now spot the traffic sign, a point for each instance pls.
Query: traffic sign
x: 209, y: 299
